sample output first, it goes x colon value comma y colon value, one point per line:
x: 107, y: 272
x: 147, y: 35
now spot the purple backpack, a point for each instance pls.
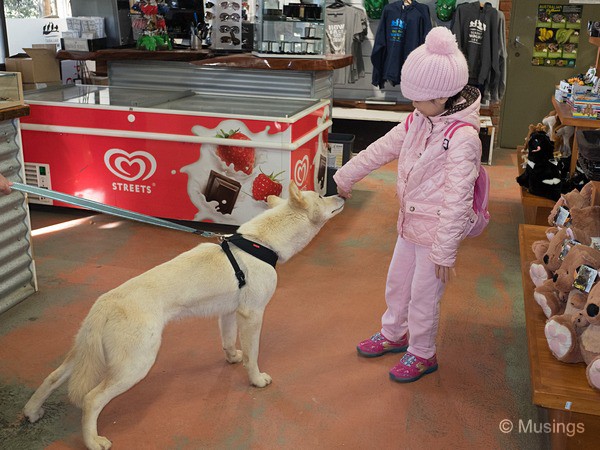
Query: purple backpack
x: 481, y: 192
x: 482, y: 184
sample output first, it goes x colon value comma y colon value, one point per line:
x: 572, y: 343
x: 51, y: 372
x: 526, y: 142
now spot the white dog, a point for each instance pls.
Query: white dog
x: 120, y: 337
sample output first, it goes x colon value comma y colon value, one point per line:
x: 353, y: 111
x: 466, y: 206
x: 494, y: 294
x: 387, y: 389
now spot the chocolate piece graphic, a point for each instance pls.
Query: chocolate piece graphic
x: 321, y: 172
x: 223, y: 190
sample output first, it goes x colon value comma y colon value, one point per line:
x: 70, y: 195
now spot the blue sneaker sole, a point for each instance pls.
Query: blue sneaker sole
x: 410, y: 380
x: 375, y: 355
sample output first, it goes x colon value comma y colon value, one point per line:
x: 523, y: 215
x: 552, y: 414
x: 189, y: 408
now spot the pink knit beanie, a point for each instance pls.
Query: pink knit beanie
x: 436, y: 69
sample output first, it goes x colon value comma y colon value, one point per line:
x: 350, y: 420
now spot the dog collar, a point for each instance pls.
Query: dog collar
x: 257, y: 250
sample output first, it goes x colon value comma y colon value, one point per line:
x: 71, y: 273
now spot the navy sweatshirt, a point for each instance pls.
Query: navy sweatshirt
x: 402, y: 29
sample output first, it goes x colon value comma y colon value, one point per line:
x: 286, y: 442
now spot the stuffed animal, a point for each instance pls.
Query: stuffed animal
x: 574, y: 199
x: 554, y: 293
x: 575, y: 337
x: 550, y: 253
x: 587, y: 219
x: 541, y: 175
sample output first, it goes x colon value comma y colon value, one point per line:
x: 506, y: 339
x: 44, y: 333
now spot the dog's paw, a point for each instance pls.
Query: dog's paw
x: 263, y: 379
x: 98, y: 443
x: 234, y: 358
x: 33, y: 415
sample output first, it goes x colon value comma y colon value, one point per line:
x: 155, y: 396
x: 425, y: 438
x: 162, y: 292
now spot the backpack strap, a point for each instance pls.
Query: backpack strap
x: 408, y: 121
x: 451, y: 129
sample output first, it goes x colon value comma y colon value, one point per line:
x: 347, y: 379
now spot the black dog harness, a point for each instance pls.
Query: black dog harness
x: 258, y: 251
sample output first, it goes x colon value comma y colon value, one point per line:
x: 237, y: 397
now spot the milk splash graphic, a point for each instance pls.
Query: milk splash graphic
x: 246, y: 207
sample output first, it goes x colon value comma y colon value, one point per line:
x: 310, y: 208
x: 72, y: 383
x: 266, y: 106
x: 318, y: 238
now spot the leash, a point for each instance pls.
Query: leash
x: 256, y: 250
x: 112, y: 210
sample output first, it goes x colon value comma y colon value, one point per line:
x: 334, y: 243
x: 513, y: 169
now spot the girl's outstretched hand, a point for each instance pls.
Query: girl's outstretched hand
x: 343, y: 194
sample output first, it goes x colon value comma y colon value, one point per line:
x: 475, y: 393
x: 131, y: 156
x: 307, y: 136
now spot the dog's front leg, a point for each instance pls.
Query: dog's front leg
x: 228, y: 327
x: 250, y: 323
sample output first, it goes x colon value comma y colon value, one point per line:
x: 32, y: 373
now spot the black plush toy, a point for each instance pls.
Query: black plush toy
x: 541, y: 175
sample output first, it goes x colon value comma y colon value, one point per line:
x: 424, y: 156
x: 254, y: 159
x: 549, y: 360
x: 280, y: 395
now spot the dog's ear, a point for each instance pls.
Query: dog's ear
x: 273, y: 201
x: 296, y: 199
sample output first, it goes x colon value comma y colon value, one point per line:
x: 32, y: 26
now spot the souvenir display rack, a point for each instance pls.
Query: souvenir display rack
x: 289, y: 29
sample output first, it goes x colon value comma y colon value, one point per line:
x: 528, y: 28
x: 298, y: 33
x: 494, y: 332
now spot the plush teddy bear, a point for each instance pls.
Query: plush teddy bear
x: 541, y: 175
x: 554, y: 294
x: 575, y: 336
x: 587, y: 219
x: 574, y: 199
x: 549, y: 253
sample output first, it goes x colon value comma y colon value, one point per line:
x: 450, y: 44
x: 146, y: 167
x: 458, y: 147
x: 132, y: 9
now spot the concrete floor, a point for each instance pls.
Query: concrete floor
x: 329, y: 298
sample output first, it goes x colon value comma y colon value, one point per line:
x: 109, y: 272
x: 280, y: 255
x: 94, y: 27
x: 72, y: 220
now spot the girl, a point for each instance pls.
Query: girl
x: 438, y: 152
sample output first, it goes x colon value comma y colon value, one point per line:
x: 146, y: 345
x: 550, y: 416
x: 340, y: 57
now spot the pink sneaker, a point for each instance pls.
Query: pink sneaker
x: 412, y: 367
x: 378, y: 345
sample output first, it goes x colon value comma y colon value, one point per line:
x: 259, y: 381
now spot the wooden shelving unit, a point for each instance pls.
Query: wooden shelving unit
x: 559, y: 387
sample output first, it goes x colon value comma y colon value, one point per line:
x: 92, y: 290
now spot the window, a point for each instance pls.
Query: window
x: 33, y: 9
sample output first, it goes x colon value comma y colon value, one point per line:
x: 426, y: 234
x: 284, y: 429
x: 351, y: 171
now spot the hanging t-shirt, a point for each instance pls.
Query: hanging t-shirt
x: 344, y: 27
x: 476, y: 30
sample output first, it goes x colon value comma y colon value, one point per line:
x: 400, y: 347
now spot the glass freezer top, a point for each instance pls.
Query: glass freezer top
x: 105, y: 95
x: 173, y: 100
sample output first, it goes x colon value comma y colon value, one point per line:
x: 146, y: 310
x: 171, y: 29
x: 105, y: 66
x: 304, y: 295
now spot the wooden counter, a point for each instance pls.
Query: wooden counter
x: 249, y: 61
x: 206, y: 57
x: 564, y: 113
x: 14, y: 112
x: 562, y: 388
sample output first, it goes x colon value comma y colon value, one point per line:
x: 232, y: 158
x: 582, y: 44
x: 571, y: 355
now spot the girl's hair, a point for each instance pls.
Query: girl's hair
x: 452, y: 100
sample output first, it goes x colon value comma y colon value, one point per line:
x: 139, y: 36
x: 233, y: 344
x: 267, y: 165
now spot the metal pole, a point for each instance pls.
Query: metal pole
x: 4, y: 49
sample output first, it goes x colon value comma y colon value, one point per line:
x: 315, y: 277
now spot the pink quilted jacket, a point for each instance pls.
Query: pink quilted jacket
x: 434, y: 186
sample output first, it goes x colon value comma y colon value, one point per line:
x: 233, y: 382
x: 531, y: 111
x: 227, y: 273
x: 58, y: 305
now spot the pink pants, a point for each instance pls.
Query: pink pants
x: 412, y: 295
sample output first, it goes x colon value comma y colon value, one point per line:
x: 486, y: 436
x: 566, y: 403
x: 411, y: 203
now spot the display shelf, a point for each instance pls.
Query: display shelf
x: 560, y: 387
x: 288, y: 29
x: 566, y: 118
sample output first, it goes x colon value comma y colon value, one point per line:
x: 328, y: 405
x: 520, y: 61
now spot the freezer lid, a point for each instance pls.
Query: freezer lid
x: 241, y: 106
x: 175, y: 100
x: 105, y: 95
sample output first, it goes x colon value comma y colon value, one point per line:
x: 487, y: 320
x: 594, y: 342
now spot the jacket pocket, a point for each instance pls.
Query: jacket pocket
x: 421, y: 221
x: 420, y: 209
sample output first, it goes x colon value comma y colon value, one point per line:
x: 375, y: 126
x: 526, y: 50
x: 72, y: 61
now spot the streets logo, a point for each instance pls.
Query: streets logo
x: 138, y: 165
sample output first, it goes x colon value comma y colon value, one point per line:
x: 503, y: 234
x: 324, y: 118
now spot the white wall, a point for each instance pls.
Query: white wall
x: 24, y: 32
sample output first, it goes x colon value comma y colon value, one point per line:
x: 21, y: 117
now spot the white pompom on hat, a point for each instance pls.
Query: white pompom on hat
x: 436, y: 69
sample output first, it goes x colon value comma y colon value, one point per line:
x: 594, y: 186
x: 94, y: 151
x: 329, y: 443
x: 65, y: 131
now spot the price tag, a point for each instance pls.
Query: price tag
x: 584, y: 280
x: 568, y: 244
x: 562, y: 217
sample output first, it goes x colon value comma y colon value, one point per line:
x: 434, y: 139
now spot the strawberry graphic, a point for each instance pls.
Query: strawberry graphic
x: 242, y: 158
x: 265, y: 185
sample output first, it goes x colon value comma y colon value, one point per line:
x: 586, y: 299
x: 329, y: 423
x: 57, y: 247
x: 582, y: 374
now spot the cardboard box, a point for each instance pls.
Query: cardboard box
x: 38, y: 65
x: 83, y: 45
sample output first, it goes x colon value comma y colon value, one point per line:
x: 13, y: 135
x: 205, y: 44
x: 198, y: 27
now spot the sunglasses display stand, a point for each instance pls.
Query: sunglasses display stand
x: 289, y: 29
x: 225, y: 18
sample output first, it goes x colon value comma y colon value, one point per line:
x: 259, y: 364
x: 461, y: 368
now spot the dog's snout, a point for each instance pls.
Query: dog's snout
x: 546, y: 259
x: 592, y: 310
x: 555, y: 277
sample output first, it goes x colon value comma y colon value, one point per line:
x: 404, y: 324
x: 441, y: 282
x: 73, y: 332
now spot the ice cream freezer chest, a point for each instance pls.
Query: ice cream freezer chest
x: 172, y: 153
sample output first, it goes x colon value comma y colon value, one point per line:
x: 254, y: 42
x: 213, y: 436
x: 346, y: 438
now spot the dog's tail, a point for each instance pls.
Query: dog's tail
x: 89, y: 366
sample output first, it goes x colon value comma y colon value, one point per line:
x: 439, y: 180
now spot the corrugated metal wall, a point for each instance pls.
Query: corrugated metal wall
x: 216, y: 80
x: 17, y: 270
